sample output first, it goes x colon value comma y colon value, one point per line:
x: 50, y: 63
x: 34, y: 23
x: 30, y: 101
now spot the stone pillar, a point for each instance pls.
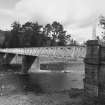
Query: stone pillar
x: 102, y: 73
x: 27, y: 61
x: 92, y: 69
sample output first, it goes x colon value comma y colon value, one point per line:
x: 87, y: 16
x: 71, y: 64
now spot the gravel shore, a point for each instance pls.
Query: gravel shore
x: 30, y: 98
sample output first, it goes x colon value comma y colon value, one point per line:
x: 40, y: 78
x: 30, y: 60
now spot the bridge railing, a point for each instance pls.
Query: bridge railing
x: 58, y: 52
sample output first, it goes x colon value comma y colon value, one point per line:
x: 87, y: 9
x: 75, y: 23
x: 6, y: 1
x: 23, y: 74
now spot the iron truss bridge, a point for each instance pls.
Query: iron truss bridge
x: 66, y: 52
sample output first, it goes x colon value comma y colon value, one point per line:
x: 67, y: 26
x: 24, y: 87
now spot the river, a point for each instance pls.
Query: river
x: 44, y: 80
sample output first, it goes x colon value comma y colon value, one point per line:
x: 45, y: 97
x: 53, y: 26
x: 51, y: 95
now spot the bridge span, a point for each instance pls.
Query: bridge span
x: 68, y: 52
x: 29, y: 55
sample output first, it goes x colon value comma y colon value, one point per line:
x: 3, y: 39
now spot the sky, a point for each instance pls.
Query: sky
x: 77, y: 16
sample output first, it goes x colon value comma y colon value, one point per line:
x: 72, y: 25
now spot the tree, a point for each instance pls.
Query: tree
x: 37, y: 36
x: 15, y: 34
x: 47, y: 30
x: 68, y: 39
x: 59, y: 34
x: 56, y: 33
x: 12, y: 37
x: 47, y: 34
x: 16, y: 27
x: 102, y: 25
x: 32, y: 35
x: 7, y: 41
x: 62, y: 38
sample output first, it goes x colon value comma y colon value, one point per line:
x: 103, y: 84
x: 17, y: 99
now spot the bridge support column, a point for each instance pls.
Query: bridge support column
x: 94, y: 82
x: 27, y: 62
x: 36, y: 65
x: 8, y: 58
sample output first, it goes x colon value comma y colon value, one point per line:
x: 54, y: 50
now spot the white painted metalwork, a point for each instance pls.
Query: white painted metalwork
x: 68, y: 52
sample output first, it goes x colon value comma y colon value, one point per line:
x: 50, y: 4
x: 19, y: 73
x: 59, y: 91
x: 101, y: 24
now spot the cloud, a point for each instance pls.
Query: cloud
x: 65, y: 11
x: 80, y: 13
x: 81, y: 34
x: 75, y: 15
x: 6, y: 19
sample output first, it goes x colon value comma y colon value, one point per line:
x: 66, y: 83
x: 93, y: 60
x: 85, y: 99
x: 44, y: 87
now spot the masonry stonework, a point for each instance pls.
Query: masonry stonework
x: 94, y: 82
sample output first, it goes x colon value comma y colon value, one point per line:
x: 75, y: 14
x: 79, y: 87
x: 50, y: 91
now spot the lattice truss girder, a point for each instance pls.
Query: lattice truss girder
x: 58, y: 52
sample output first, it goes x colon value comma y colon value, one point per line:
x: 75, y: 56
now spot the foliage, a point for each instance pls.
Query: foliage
x: 102, y: 25
x: 56, y: 33
x: 32, y: 34
x: 12, y: 37
x: 15, y: 32
x: 7, y: 41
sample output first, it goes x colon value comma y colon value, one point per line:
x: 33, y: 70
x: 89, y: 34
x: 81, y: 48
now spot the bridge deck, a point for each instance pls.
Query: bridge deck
x: 58, y: 52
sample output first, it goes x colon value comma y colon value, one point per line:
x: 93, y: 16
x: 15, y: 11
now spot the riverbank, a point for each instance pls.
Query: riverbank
x: 41, y: 88
x: 31, y: 98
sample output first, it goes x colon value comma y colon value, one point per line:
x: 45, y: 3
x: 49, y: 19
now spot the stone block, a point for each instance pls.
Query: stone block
x: 94, y: 61
x: 91, y: 67
x: 102, y: 75
x: 92, y: 52
x: 91, y: 81
x: 102, y: 54
x: 90, y: 90
x: 92, y: 43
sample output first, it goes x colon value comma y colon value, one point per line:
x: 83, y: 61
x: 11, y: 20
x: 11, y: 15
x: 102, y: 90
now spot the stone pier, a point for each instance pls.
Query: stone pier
x: 94, y: 82
x: 27, y: 62
x: 6, y: 59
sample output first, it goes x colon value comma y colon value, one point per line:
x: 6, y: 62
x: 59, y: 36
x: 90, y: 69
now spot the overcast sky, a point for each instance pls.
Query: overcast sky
x: 77, y: 16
